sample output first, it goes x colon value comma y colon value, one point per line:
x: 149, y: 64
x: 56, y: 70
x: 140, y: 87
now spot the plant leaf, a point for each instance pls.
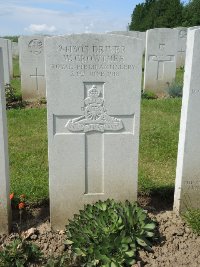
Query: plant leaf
x: 130, y: 253
x: 149, y: 226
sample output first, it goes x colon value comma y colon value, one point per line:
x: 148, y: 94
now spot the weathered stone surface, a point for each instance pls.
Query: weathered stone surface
x: 10, y: 60
x: 194, y: 28
x: 160, y: 59
x: 6, y: 64
x: 93, y: 96
x: 5, y: 211
x: 134, y: 34
x: 32, y: 67
x: 187, y: 189
x: 15, y: 49
x: 181, y: 46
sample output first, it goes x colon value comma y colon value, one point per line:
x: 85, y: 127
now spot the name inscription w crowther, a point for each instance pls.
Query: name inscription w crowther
x: 97, y: 61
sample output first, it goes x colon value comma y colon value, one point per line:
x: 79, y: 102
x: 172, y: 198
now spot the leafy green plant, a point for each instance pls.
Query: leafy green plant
x: 175, y: 89
x: 11, y: 95
x: 149, y: 95
x: 62, y: 261
x: 13, y: 38
x: 109, y: 234
x: 43, y: 100
x: 19, y: 253
x: 192, y: 217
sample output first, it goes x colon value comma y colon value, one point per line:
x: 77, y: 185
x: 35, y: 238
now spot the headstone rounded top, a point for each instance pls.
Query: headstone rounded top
x: 194, y: 28
x: 88, y: 35
x: 160, y: 29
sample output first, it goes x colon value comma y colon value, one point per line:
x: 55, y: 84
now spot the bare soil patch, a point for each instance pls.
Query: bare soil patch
x: 176, y: 245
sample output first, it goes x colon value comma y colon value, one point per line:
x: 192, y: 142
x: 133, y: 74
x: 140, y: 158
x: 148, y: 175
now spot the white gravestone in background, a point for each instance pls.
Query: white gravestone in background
x: 134, y: 34
x: 181, y: 46
x: 5, y: 209
x: 187, y: 188
x: 32, y: 67
x: 93, y: 96
x: 194, y: 28
x: 9, y: 44
x: 15, y: 49
x: 160, y: 59
x: 6, y: 64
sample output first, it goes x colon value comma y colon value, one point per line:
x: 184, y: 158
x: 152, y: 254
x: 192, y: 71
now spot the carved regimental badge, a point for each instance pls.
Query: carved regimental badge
x: 35, y: 46
x: 95, y: 117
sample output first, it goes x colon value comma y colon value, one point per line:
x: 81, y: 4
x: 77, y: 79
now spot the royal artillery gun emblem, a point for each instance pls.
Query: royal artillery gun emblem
x: 95, y: 116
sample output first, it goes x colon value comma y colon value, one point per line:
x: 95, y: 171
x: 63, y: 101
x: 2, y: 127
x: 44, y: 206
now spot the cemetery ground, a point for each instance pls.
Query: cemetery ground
x: 176, y: 243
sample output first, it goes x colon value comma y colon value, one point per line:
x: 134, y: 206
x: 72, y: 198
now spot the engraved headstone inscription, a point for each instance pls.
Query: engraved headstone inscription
x: 187, y: 187
x: 181, y: 46
x: 31, y: 54
x: 160, y: 59
x: 5, y: 209
x: 93, y: 95
x: 6, y: 64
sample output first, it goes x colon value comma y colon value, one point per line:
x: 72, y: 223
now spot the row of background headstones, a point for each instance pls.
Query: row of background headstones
x: 164, y: 50
x: 188, y: 171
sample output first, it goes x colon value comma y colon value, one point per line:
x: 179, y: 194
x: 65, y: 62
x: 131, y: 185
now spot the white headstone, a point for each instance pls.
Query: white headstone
x: 10, y: 60
x: 160, y: 59
x: 187, y: 188
x: 6, y: 64
x: 32, y: 67
x: 15, y: 49
x: 93, y: 96
x: 181, y: 47
x: 194, y: 28
x: 134, y: 34
x: 5, y: 210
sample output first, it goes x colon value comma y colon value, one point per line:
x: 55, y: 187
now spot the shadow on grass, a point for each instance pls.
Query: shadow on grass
x: 16, y: 105
x: 157, y: 199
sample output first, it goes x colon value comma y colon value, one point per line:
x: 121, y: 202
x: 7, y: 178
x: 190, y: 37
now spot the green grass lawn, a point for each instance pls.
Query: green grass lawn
x: 158, y: 144
x: 16, y: 82
x: 158, y: 148
x: 16, y: 70
x: 28, y: 153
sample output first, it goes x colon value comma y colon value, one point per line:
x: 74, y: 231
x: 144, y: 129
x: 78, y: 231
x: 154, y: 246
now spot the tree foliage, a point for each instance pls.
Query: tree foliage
x: 165, y: 14
x: 191, y: 14
x: 12, y: 38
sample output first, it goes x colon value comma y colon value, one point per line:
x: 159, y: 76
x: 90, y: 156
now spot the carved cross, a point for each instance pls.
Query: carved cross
x: 36, y: 75
x: 161, y: 60
x: 94, y: 126
x: 182, y: 53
